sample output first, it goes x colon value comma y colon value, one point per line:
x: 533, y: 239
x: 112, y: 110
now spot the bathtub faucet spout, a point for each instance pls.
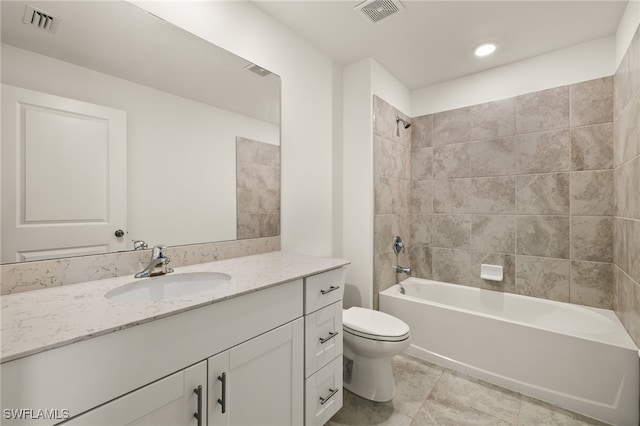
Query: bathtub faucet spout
x: 403, y: 270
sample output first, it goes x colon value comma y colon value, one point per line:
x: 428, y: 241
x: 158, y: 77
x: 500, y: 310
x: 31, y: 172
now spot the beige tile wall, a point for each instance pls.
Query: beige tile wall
x: 257, y: 189
x: 392, y: 158
x: 525, y: 182
x: 627, y: 200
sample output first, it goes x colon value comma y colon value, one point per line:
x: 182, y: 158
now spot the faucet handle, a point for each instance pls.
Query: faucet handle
x: 140, y: 245
x: 398, y: 245
x: 159, y: 252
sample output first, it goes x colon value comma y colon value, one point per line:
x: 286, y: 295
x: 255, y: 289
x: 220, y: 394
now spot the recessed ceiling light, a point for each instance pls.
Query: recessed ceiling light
x: 485, y: 49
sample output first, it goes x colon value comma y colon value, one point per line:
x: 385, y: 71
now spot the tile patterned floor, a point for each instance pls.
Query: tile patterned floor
x: 430, y: 395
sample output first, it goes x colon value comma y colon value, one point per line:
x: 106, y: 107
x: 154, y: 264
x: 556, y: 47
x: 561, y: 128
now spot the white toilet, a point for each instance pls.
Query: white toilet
x: 370, y: 339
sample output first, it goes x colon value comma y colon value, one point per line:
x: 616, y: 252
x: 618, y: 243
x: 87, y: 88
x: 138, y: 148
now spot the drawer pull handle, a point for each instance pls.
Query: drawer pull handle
x: 330, y: 289
x: 198, y: 415
x: 331, y: 335
x: 223, y: 401
x: 328, y: 397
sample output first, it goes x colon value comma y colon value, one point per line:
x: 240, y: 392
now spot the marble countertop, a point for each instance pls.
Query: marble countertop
x: 36, y: 321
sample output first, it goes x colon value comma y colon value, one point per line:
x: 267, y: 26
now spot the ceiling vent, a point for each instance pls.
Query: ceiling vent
x: 257, y: 69
x: 375, y: 11
x: 41, y: 19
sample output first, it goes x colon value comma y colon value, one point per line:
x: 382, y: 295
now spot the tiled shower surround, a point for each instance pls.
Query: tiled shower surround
x: 525, y: 182
x: 627, y: 175
x: 392, y: 158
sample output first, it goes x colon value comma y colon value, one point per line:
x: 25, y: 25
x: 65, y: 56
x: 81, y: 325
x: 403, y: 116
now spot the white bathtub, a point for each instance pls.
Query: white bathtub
x: 573, y: 356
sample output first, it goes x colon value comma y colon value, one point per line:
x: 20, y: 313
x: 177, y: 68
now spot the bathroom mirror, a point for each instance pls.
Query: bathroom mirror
x: 119, y: 128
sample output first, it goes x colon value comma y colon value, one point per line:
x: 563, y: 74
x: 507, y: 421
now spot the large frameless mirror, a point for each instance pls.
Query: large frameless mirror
x: 121, y: 131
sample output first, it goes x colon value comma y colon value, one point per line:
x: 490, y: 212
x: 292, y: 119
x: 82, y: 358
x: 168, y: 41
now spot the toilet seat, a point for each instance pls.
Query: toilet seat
x: 374, y: 325
x: 376, y: 337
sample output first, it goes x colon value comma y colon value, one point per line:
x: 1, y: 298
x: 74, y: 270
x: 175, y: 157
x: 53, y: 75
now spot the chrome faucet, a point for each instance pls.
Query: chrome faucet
x: 158, y: 263
x: 403, y: 270
x: 398, y: 245
x: 140, y: 245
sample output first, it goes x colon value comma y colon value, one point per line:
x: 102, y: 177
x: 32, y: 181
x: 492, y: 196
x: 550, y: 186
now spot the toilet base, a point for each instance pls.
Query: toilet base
x: 371, y: 379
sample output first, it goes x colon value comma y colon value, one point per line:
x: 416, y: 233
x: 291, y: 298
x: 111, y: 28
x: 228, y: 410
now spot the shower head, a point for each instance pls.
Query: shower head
x: 405, y: 123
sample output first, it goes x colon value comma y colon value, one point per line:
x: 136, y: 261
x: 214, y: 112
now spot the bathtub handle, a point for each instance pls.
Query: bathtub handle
x: 330, y: 289
x: 331, y: 335
x: 328, y: 397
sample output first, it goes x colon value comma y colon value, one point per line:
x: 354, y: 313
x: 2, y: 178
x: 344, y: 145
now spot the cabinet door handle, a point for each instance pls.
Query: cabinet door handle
x: 198, y: 415
x: 328, y: 397
x: 330, y: 289
x: 331, y: 335
x: 223, y: 400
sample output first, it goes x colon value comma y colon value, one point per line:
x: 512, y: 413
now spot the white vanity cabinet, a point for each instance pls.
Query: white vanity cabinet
x: 259, y: 382
x: 176, y: 400
x: 323, y: 345
x: 269, y: 356
x: 104, y: 370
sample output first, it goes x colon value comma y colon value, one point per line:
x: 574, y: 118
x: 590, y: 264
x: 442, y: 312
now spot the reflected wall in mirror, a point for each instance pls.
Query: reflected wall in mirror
x: 113, y: 119
x: 258, y: 188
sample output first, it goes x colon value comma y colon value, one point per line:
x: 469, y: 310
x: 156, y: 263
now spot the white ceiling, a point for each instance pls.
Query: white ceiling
x: 433, y: 41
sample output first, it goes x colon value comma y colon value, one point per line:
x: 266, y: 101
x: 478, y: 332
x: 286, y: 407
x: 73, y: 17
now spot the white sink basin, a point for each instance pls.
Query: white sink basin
x: 167, y: 287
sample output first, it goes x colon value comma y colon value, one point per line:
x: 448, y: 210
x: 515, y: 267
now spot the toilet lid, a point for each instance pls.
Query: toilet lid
x: 373, y: 323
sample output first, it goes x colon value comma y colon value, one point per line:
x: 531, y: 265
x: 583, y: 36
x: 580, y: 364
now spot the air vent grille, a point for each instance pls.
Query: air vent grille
x: 41, y: 19
x: 257, y: 69
x: 377, y: 10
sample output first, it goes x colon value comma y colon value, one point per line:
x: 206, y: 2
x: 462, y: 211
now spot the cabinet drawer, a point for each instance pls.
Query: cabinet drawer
x: 323, y: 337
x: 323, y: 396
x: 323, y: 289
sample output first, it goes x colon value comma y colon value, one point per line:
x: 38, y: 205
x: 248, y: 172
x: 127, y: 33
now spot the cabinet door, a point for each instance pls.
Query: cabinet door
x: 171, y: 401
x: 264, y: 380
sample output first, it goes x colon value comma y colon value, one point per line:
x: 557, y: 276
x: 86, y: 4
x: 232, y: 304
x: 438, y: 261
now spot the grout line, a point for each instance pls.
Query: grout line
x: 516, y: 135
x: 521, y: 174
x: 515, y: 159
x: 626, y: 161
x: 433, y: 138
x: 570, y: 193
x: 519, y: 410
x: 527, y: 215
x: 424, y: 401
